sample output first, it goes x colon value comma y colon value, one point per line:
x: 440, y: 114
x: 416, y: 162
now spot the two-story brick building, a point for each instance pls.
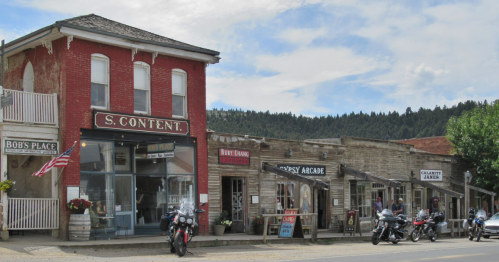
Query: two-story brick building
x: 115, y: 90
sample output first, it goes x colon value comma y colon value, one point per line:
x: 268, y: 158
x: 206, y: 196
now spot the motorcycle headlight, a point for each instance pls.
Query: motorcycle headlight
x: 189, y: 221
x: 182, y: 219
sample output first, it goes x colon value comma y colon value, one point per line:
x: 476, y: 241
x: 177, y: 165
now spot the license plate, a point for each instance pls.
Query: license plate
x: 493, y: 231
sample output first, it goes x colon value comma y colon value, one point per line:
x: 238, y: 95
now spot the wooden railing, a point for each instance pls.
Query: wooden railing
x: 33, y: 213
x: 313, y: 227
x: 30, y: 108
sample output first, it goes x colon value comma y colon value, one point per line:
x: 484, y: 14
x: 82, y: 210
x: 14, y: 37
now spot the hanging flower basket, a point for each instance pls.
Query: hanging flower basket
x: 6, y: 185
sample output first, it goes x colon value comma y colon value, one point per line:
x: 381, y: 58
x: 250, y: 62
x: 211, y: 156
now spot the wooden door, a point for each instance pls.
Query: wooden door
x: 238, y: 205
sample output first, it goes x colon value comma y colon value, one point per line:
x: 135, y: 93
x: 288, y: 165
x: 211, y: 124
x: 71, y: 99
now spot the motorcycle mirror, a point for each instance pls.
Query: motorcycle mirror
x: 202, y: 204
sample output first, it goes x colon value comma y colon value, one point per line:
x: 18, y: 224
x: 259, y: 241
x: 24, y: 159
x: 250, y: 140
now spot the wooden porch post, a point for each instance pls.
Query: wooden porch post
x: 4, y: 233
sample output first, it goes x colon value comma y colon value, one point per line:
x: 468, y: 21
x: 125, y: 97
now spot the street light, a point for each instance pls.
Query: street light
x: 468, y: 176
x: 467, y: 179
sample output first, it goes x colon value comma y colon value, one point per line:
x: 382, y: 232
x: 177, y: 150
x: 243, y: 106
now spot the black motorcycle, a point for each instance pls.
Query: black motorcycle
x: 477, y: 224
x: 426, y: 225
x: 388, y: 228
x: 180, y: 227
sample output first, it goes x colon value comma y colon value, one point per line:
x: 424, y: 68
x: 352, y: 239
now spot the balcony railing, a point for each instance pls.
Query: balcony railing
x: 33, y: 213
x: 30, y: 108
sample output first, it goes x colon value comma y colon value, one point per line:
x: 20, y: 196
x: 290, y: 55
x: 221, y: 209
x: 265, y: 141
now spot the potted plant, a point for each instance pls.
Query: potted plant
x: 258, y: 222
x: 6, y: 185
x: 221, y: 223
x: 78, y: 205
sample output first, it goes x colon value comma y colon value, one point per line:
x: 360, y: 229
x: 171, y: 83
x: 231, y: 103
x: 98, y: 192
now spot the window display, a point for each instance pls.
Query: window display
x: 150, y: 198
x: 98, y: 189
x: 96, y: 156
x: 180, y: 190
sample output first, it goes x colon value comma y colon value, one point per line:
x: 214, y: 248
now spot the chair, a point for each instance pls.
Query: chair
x: 121, y: 226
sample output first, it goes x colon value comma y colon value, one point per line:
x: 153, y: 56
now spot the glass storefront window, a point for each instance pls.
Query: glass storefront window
x: 143, y: 165
x: 122, y: 158
x: 150, y: 198
x: 96, y: 156
x: 98, y: 189
x: 183, y: 162
x: 180, y: 190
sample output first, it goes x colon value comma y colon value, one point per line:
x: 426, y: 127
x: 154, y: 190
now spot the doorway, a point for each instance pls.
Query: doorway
x: 234, y: 202
x: 321, y: 209
x: 124, y: 207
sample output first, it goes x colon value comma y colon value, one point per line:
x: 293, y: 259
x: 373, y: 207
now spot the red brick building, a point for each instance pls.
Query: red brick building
x: 124, y: 95
x: 436, y: 145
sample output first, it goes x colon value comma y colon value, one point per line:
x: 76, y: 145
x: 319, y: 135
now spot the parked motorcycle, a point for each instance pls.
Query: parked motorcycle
x: 402, y: 223
x: 476, y: 228
x: 180, y: 227
x: 388, y: 228
x: 426, y: 225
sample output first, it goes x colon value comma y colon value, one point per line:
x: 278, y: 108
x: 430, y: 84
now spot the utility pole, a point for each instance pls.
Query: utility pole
x: 3, y: 43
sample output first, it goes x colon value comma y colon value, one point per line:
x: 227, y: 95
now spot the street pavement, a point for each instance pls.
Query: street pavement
x: 446, y: 249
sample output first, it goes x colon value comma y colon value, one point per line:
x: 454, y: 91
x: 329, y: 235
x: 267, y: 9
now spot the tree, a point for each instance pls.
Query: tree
x: 475, y: 135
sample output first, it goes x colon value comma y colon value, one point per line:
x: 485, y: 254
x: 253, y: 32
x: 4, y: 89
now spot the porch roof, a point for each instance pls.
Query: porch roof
x: 312, y: 182
x: 434, y: 187
x: 369, y: 177
x: 473, y: 187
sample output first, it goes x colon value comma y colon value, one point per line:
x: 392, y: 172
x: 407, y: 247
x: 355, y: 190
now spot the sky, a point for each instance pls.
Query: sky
x: 312, y: 57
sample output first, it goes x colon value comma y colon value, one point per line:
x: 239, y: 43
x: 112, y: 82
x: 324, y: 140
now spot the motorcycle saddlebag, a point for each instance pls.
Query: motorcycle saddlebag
x: 441, y: 227
x: 195, y: 230
x: 164, y: 223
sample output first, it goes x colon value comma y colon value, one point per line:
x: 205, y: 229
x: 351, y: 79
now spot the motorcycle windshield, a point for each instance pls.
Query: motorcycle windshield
x: 481, y: 213
x: 386, y: 213
x: 187, y: 207
x: 422, y: 213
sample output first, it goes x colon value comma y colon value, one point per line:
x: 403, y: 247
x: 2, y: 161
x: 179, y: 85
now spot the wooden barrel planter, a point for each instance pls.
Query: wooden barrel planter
x: 79, y: 227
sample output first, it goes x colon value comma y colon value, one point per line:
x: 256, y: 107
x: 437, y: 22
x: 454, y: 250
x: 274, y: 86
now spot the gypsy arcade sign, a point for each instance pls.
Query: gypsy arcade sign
x: 305, y: 170
x: 138, y: 123
x: 233, y: 157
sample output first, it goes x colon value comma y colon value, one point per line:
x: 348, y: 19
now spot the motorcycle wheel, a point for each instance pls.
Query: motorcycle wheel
x: 415, y: 235
x: 470, y: 237
x: 375, y: 238
x: 434, y: 237
x: 180, y: 245
x: 395, y: 242
x: 172, y: 248
x: 478, y: 235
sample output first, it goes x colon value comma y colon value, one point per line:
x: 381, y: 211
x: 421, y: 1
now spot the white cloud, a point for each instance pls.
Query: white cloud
x: 302, y: 36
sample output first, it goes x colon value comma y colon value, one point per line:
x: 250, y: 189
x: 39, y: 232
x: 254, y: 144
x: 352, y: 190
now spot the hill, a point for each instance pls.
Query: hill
x: 391, y: 126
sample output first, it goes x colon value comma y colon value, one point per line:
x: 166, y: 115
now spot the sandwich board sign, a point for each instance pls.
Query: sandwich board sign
x: 291, y: 225
x: 352, y: 223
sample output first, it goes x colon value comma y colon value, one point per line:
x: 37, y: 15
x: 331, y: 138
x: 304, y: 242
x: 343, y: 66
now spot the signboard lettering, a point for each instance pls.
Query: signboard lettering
x: 431, y: 175
x: 306, y: 170
x: 161, y: 155
x: 151, y: 148
x: 138, y: 123
x: 29, y: 147
x: 352, y: 223
x: 233, y: 157
x: 291, y: 225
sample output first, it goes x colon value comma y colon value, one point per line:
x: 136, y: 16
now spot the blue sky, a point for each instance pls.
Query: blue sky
x: 313, y: 57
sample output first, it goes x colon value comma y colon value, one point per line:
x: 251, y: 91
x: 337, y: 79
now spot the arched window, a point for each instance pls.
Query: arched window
x: 141, y: 88
x: 100, y: 81
x: 179, y: 93
x: 29, y: 78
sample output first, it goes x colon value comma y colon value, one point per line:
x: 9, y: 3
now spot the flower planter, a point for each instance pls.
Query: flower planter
x: 259, y: 229
x: 8, y: 190
x: 219, y: 230
x: 79, y: 227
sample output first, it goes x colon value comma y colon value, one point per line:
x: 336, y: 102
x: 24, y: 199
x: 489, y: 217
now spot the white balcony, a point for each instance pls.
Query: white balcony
x: 32, y: 108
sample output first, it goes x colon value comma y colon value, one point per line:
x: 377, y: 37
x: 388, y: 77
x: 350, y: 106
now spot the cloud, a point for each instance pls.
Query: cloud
x: 302, y: 36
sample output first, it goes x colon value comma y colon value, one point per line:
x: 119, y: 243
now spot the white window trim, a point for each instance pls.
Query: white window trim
x: 148, y: 96
x: 180, y: 71
x: 108, y: 87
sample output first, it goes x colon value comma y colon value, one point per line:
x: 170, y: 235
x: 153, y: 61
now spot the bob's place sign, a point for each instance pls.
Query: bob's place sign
x: 306, y: 170
x: 30, y: 147
x: 431, y: 175
x: 138, y: 123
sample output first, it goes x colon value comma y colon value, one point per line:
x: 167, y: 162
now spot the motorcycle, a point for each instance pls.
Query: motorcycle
x: 402, y: 223
x: 387, y: 229
x: 426, y: 225
x: 180, y: 227
x: 476, y: 228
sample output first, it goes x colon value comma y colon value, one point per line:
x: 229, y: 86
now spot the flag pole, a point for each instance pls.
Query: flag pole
x: 60, y: 173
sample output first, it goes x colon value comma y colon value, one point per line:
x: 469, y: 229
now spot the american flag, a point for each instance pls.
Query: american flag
x: 59, y: 161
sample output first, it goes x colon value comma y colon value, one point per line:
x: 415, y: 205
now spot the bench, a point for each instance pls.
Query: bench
x: 306, y: 228
x: 273, y: 228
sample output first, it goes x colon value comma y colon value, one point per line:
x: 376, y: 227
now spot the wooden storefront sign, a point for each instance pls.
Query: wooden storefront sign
x: 352, y: 223
x: 304, y: 170
x: 291, y: 225
x: 30, y: 147
x: 139, y: 123
x: 233, y: 157
x: 163, y: 147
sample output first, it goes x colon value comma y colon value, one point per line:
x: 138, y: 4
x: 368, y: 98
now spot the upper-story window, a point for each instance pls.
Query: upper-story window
x: 179, y: 93
x: 100, y: 81
x: 141, y: 85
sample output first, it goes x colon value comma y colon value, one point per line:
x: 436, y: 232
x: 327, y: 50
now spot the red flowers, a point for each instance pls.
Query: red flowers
x: 78, y: 204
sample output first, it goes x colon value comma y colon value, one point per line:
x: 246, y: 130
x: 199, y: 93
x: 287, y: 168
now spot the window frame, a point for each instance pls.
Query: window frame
x: 107, y: 85
x: 184, y: 74
x: 148, y: 88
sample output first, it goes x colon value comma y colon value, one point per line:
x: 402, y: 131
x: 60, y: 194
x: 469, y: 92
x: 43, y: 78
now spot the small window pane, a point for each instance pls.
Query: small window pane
x: 178, y: 105
x: 122, y: 158
x: 99, y: 71
x: 98, y: 95
x: 140, y: 100
x: 183, y: 162
x: 140, y: 79
x: 98, y: 189
x: 178, y: 83
x: 96, y: 156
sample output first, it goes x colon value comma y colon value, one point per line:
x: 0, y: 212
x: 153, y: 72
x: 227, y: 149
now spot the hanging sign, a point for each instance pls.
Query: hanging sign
x: 163, y: 147
x: 234, y: 157
x: 161, y: 155
x: 306, y: 170
x: 291, y: 225
x: 139, y: 123
x: 30, y: 147
x: 431, y: 175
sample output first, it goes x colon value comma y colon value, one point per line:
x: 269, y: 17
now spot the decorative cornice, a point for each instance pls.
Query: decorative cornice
x: 134, y: 51
x: 70, y: 39
x: 154, y: 55
x: 48, y: 45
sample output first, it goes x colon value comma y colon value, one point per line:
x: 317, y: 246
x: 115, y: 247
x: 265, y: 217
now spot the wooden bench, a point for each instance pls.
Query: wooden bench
x: 306, y: 228
x: 274, y: 228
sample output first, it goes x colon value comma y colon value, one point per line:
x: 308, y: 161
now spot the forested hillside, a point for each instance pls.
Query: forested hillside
x: 392, y: 126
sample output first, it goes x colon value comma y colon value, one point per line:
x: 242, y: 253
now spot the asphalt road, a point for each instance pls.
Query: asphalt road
x: 441, y: 250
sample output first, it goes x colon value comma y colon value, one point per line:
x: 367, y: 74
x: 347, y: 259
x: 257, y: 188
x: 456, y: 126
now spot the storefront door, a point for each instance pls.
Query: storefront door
x: 238, y: 200
x: 124, y: 200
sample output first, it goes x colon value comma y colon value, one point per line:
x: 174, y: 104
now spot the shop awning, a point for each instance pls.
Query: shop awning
x: 303, y: 179
x: 473, y: 187
x: 369, y: 177
x: 432, y: 186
